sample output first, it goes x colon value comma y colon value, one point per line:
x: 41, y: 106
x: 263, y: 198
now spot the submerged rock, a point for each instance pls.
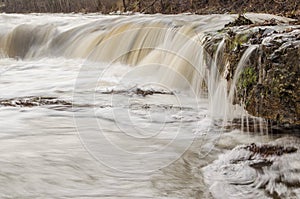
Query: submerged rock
x: 33, y: 101
x: 138, y: 91
x: 269, y: 170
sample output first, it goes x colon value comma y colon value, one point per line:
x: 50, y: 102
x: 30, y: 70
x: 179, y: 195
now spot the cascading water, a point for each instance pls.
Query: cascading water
x: 139, y: 93
x: 136, y: 41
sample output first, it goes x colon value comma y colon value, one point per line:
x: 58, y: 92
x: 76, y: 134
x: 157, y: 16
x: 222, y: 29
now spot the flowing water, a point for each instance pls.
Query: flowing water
x: 99, y: 106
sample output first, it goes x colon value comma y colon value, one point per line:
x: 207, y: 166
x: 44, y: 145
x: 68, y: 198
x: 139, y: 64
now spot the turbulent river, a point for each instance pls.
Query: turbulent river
x: 96, y: 106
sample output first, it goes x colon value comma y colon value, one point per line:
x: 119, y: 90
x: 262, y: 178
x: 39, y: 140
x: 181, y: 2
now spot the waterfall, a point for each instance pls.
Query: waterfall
x: 176, y: 43
x: 239, y: 69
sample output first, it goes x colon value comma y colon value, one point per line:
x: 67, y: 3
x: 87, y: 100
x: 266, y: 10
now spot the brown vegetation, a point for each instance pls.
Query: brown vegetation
x: 290, y: 8
x: 66, y: 6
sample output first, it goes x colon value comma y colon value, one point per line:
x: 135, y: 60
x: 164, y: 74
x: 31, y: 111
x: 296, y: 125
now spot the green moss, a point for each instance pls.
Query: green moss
x: 248, y: 78
x: 242, y: 38
x: 238, y: 40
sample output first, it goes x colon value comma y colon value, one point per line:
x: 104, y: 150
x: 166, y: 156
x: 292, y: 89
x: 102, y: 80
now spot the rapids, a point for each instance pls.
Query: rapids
x: 102, y: 106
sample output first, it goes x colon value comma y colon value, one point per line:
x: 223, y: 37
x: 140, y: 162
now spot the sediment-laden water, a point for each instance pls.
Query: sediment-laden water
x: 96, y: 106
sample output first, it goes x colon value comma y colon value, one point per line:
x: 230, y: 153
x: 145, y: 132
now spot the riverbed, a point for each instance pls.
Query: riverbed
x: 88, y: 114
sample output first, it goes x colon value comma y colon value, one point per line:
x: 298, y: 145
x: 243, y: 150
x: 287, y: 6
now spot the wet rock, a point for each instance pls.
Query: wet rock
x: 240, y: 21
x: 144, y: 93
x: 276, y: 97
x: 271, y: 22
x: 268, y: 150
x: 268, y: 170
x: 33, y: 101
x: 269, y: 85
x: 138, y: 91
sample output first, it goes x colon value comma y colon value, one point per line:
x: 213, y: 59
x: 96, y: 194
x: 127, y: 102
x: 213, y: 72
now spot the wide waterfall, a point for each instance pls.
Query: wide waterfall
x: 117, y: 106
x: 176, y: 42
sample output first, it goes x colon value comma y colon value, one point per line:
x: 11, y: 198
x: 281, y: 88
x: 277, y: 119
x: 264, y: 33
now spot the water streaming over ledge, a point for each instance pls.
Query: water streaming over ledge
x: 173, y: 42
x: 114, y: 106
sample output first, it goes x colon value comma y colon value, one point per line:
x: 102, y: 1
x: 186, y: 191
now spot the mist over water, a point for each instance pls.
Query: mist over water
x: 99, y: 106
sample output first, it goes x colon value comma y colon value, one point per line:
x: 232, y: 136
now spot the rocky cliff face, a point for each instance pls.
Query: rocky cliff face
x: 269, y: 85
x: 277, y: 95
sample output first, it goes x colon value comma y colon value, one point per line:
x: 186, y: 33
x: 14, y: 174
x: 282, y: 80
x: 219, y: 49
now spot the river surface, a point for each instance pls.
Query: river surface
x: 74, y: 124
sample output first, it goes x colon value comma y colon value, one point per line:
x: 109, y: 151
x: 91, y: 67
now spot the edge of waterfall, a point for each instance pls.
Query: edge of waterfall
x: 267, y: 82
x: 253, y: 65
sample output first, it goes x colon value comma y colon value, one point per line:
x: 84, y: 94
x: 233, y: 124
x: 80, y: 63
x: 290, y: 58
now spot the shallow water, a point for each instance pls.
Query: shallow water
x: 76, y: 127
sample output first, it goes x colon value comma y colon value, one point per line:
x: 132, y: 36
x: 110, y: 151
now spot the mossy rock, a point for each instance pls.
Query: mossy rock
x: 240, y: 21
